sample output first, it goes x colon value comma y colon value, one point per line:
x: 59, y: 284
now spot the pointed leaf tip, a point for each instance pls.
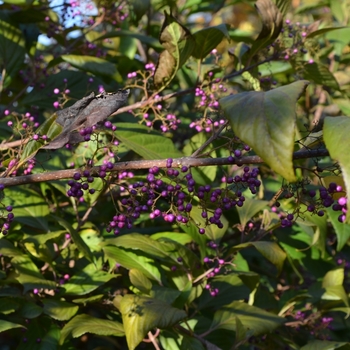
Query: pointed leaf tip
x: 266, y: 122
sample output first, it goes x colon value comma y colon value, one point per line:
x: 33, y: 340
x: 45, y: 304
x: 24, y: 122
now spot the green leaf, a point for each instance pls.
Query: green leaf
x: 140, y: 281
x: 320, y: 74
x: 59, y: 310
x: 211, y: 231
x: 131, y: 260
x: 336, y: 137
x: 208, y: 39
x: 12, y: 50
x: 79, y: 242
x: 250, y: 208
x: 272, y: 22
x: 94, y: 65
x: 6, y: 325
x: 8, y: 305
x: 333, y: 278
x: 252, y: 318
x: 50, y: 340
x: 231, y: 287
x: 8, y: 249
x: 29, y: 208
x: 139, y: 8
x: 29, y: 275
x: 180, y: 237
x: 82, y: 324
x: 342, y: 230
x: 323, y: 30
x: 270, y: 250
x: 148, y: 40
x: 179, y: 44
x: 30, y: 310
x: 84, y: 282
x: 146, y: 143
x: 266, y: 122
x: 144, y: 243
x: 141, y: 314
x: 323, y: 345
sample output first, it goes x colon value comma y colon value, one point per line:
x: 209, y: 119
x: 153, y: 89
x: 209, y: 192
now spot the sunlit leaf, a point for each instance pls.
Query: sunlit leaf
x: 179, y: 44
x: 141, y: 314
x: 6, y: 325
x: 140, y: 281
x: 82, y: 324
x: 323, y: 345
x: 323, y: 31
x: 342, y: 230
x: 130, y: 260
x: 59, y: 310
x: 148, y: 144
x: 336, y: 137
x: 266, y: 122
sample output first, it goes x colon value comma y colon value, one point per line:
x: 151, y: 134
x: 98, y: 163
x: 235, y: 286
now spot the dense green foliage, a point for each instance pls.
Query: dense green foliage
x: 208, y: 212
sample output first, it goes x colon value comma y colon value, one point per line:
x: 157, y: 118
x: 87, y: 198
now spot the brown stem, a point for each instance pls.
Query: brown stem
x: 147, y: 164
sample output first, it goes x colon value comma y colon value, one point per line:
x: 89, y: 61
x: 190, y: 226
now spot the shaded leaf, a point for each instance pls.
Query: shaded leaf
x: 82, y: 324
x: 250, y: 208
x: 336, y: 131
x: 270, y: 250
x: 320, y: 74
x: 29, y: 275
x: 141, y: 314
x: 266, y: 122
x: 94, y: 65
x: 29, y: 208
x: 128, y: 33
x: 272, y: 22
x: 12, y: 50
x: 208, y: 39
x: 79, y: 242
x: 89, y: 279
x: 252, y: 318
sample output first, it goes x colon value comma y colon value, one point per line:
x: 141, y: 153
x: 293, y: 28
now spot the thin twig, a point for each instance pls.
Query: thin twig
x: 210, y: 140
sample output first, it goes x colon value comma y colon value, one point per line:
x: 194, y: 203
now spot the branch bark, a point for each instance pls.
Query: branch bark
x: 147, y: 164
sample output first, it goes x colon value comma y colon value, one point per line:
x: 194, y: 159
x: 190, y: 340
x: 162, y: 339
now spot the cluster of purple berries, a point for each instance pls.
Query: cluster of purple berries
x: 178, y: 192
x: 8, y: 218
